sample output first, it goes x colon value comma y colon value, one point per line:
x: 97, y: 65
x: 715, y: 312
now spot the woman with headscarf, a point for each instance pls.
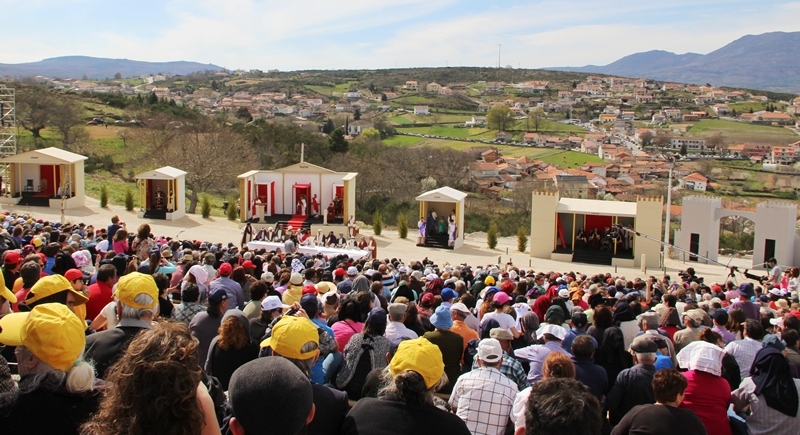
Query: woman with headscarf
x: 542, y: 303
x: 671, y: 323
x: 625, y: 320
x: 529, y: 323
x: 612, y: 354
x: 771, y: 395
x: 404, y: 291
x: 707, y: 392
x: 197, y: 275
x: 602, y: 320
x: 435, y: 286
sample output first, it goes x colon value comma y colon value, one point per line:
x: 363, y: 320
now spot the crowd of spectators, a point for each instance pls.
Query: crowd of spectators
x: 106, y: 331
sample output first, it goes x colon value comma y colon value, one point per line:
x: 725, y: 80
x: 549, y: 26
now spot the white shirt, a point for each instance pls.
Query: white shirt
x: 397, y: 332
x: 744, y: 351
x: 483, y: 399
x: 505, y: 320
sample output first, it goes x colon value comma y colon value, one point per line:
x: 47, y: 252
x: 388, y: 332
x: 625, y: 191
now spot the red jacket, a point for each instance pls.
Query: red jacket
x: 100, y: 294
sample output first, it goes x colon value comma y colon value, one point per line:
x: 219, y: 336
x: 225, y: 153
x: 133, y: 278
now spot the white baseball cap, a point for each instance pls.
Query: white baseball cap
x: 489, y: 350
x: 553, y: 330
x: 458, y: 306
x: 352, y: 271
x: 272, y: 302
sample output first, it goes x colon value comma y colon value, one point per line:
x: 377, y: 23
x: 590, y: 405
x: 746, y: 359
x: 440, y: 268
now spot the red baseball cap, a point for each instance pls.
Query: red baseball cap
x: 73, y: 274
x: 309, y: 289
x: 339, y: 272
x: 428, y: 299
x: 225, y: 269
x: 248, y: 264
x: 12, y: 257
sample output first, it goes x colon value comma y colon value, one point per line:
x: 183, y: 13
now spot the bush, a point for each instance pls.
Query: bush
x: 402, y: 226
x: 522, y: 239
x: 377, y: 223
x: 129, y: 203
x: 103, y: 196
x: 205, y: 207
x: 491, y: 236
x: 232, y: 212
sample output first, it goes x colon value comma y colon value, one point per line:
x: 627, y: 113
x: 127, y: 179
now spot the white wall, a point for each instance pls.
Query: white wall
x: 775, y: 221
x: 698, y: 217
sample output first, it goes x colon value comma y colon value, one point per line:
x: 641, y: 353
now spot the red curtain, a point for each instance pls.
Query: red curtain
x: 599, y: 222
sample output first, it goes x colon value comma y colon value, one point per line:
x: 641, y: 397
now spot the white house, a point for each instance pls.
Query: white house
x: 421, y: 110
x: 695, y: 181
x: 355, y: 128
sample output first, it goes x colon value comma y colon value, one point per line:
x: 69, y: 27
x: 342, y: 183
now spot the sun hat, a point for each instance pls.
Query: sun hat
x: 134, y: 284
x: 702, y: 356
x: 441, y: 318
x: 421, y: 356
x: 289, y: 336
x: 53, y: 284
x: 296, y: 279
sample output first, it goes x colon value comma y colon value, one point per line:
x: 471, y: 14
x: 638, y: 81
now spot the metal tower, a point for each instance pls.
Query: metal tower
x: 8, y: 128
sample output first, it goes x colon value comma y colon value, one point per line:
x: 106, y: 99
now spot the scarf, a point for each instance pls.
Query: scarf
x: 623, y: 313
x: 530, y: 323
x: 770, y: 372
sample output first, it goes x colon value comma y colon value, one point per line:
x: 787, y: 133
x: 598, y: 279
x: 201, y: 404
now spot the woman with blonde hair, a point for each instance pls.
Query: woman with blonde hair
x: 155, y: 388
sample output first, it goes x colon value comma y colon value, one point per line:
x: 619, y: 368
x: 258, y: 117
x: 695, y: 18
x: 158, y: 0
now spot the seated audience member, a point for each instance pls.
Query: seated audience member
x: 270, y: 395
x: 770, y: 394
x: 156, y: 377
x: 707, y: 393
x: 561, y: 406
x: 405, y: 404
x: 364, y: 352
x: 297, y: 340
x: 189, y: 306
x: 231, y: 348
x: 205, y: 325
x: 586, y: 371
x: 54, y: 377
x: 664, y: 417
x: 634, y: 386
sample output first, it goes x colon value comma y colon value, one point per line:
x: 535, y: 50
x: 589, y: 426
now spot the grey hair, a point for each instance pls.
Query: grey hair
x: 78, y: 379
x: 304, y: 364
x: 137, y: 313
x: 646, y: 358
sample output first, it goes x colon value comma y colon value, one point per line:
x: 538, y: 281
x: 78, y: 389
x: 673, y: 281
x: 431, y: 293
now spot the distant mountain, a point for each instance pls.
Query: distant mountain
x: 770, y: 61
x: 99, y: 68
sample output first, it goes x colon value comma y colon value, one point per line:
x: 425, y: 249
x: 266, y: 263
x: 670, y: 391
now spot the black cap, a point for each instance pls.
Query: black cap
x: 217, y: 297
x: 270, y: 396
x: 644, y: 346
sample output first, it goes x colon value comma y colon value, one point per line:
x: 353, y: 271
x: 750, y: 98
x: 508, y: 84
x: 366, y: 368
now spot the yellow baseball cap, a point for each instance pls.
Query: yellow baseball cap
x: 50, y: 331
x: 36, y: 242
x: 134, y: 284
x: 489, y: 280
x: 421, y: 356
x: 290, y: 334
x: 50, y: 285
x: 6, y: 294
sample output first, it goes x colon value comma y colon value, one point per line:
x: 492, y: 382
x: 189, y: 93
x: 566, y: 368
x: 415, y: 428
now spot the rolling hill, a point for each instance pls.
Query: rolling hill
x: 99, y: 68
x: 770, y: 61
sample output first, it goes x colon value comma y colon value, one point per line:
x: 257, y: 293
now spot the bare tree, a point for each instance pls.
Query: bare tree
x: 65, y: 117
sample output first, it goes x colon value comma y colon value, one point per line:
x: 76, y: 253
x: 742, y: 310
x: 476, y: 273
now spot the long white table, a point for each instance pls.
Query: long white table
x: 355, y: 254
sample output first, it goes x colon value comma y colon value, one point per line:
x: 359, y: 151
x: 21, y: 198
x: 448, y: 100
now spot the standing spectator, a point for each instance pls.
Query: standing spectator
x: 189, y: 306
x: 634, y: 385
x: 54, y: 377
x: 745, y: 350
x: 137, y: 307
x: 229, y: 286
x: 449, y: 343
x: 707, y: 393
x: 205, y: 325
x: 561, y: 406
x: 143, y: 243
x: 586, y: 371
x: 483, y: 397
x: 230, y: 349
x: 270, y: 394
x: 119, y: 243
x: 665, y: 417
x: 155, y: 388
x: 771, y: 395
x: 407, y: 400
x: 115, y: 225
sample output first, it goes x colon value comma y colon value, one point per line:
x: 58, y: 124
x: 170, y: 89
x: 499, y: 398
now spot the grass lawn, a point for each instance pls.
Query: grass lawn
x: 437, y: 130
x: 746, y: 106
x: 323, y: 90
x: 413, y: 99
x: 341, y: 88
x: 402, y: 119
x: 739, y: 132
x: 402, y: 140
x: 568, y: 159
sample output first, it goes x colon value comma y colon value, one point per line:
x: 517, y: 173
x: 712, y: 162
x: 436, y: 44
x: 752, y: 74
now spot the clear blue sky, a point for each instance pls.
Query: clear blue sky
x: 328, y: 34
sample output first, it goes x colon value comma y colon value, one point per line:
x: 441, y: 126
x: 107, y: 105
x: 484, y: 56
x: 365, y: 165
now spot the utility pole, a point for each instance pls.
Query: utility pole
x: 498, y: 55
x: 669, y: 203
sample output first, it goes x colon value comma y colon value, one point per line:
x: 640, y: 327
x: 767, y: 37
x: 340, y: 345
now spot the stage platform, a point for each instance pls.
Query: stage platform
x: 296, y: 221
x: 355, y: 254
x: 592, y: 256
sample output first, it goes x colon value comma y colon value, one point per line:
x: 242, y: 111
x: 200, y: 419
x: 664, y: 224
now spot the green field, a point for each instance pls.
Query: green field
x: 437, y: 130
x: 401, y: 140
x: 746, y: 106
x: 568, y: 159
x: 741, y: 132
x: 323, y: 90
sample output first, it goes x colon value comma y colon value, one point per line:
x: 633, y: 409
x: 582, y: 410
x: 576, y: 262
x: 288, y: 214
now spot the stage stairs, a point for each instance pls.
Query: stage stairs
x: 437, y: 241
x: 592, y: 256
